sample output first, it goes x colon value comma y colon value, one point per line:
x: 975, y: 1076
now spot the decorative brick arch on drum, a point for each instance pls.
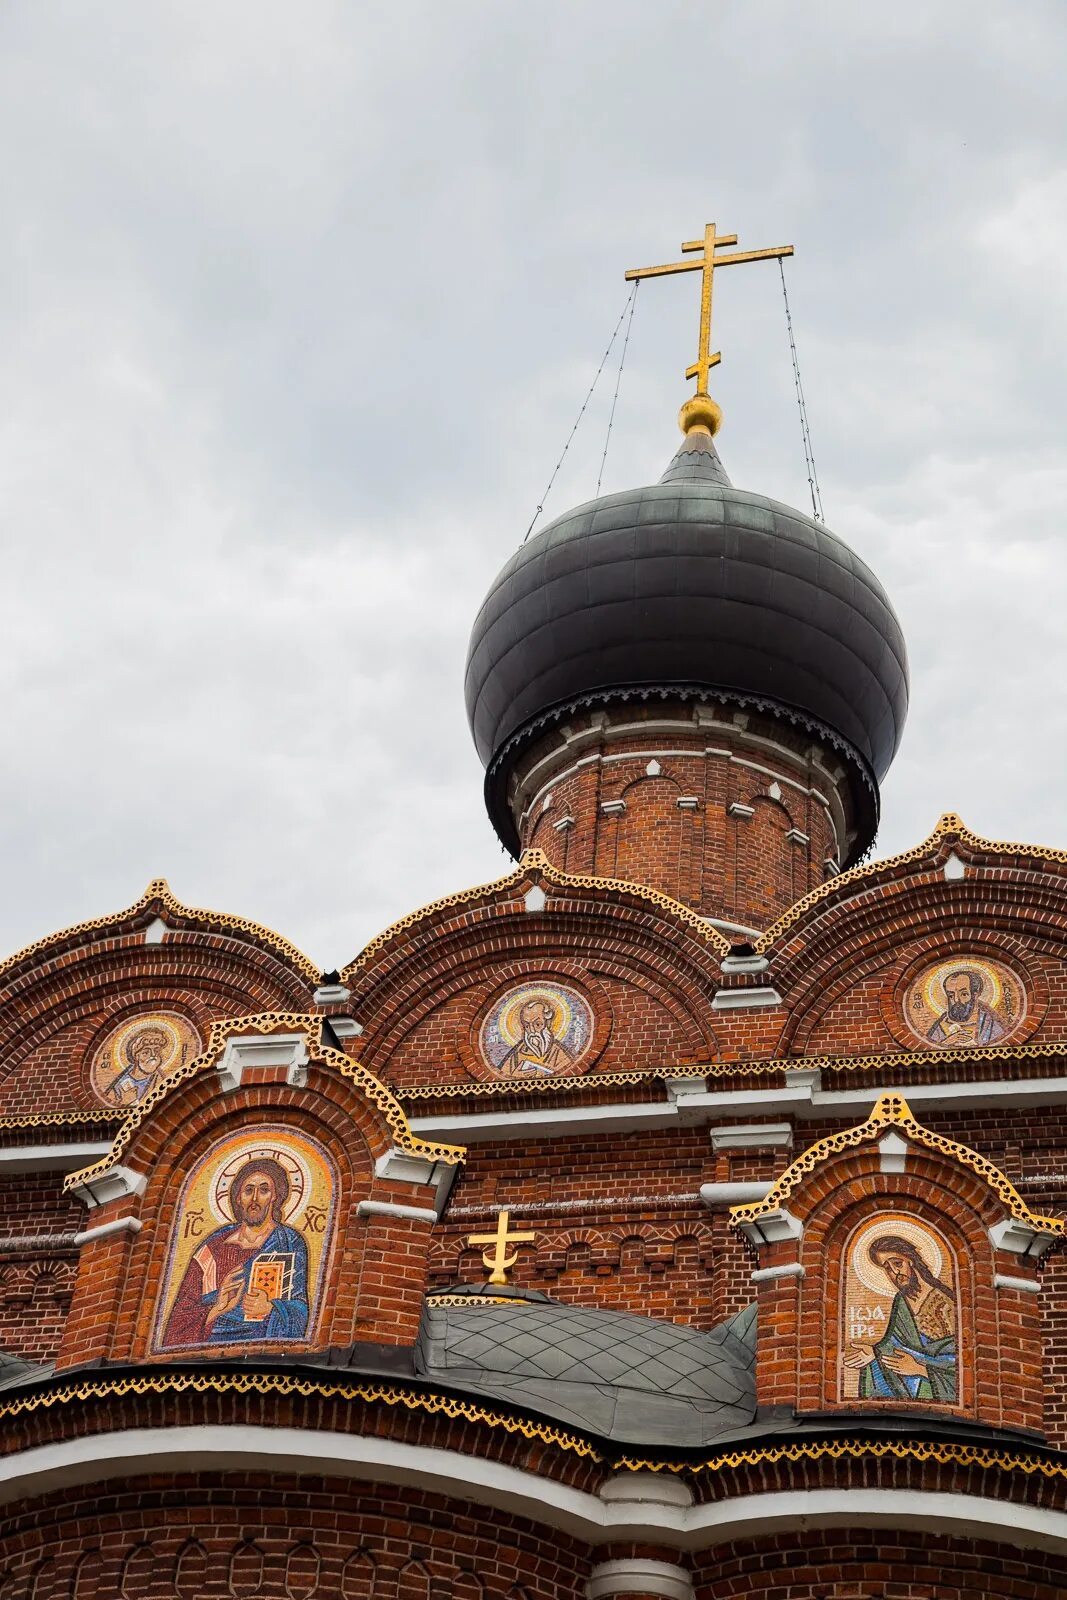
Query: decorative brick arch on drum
x: 799, y: 1233
x: 418, y: 988
x: 837, y: 959
x: 384, y: 1211
x: 60, y: 994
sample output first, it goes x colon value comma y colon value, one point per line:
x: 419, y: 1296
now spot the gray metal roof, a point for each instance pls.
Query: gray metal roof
x: 611, y: 1373
x: 689, y: 585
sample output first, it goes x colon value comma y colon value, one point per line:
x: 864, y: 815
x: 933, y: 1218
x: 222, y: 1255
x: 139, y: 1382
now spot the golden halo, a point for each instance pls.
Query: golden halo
x: 165, y: 1025
x: 296, y: 1171
x: 933, y: 993
x: 871, y: 1275
x: 510, y: 1025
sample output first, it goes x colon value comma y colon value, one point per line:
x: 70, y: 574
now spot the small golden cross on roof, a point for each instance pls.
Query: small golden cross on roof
x: 497, y: 1259
x: 701, y: 411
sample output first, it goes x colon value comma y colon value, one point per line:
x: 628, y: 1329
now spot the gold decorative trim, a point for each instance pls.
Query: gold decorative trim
x: 159, y: 893
x: 946, y: 1454
x: 162, y: 1382
x: 763, y: 1066
x: 60, y: 1119
x: 893, y: 1111
x: 949, y: 825
x: 266, y: 1023
x: 533, y: 864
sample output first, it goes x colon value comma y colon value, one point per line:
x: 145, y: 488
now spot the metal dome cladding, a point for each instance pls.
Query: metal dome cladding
x: 690, y: 586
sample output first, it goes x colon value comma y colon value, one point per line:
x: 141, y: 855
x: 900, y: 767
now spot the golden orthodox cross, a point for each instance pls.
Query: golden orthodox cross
x: 497, y: 1259
x: 701, y: 411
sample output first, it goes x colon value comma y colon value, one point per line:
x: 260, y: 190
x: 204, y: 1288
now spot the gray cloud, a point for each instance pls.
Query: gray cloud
x: 297, y: 308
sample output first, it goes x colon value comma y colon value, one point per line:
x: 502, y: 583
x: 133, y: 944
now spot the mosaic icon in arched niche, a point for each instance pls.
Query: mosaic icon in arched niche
x: 537, y: 1029
x: 967, y: 1001
x: 900, y: 1318
x: 250, y: 1239
x: 138, y: 1053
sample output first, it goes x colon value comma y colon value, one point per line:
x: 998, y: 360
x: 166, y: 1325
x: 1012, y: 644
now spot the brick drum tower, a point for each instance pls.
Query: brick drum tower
x: 680, y: 1215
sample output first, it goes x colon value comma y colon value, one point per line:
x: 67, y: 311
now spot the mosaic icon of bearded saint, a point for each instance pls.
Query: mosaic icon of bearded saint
x: 538, y: 1050
x: 967, y: 1019
x: 249, y: 1278
x: 915, y: 1358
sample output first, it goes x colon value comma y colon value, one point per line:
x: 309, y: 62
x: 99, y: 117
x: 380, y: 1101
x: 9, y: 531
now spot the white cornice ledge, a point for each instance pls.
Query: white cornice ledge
x: 638, y: 1576
x: 100, y: 1458
x: 50, y: 1157
x: 104, y: 1229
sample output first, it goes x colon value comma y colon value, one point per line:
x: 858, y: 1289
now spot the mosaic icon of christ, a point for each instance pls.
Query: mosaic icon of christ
x: 249, y: 1278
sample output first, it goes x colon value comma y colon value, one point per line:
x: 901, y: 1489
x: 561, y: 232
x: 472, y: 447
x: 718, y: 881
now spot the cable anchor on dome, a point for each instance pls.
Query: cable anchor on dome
x: 700, y: 411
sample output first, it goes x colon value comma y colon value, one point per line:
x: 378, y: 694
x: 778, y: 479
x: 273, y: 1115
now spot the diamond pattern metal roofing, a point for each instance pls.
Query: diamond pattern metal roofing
x: 611, y: 1373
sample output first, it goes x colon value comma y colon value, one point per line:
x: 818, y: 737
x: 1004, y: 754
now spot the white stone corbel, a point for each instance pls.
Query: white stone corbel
x: 681, y: 1088
x: 892, y: 1152
x: 730, y: 964
x: 397, y: 1166
x: 331, y: 994
x: 795, y: 836
x: 641, y: 1576
x: 745, y: 999
x: 345, y: 1027
x: 738, y: 809
x: 687, y: 802
x: 116, y: 1182
x: 288, y: 1050
x: 752, y: 1136
x: 613, y: 808
x: 773, y: 1227
x: 564, y: 824
x: 1018, y: 1238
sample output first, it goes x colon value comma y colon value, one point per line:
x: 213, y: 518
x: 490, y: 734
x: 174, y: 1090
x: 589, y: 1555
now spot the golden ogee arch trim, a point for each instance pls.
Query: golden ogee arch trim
x: 534, y: 863
x: 949, y: 826
x: 893, y: 1111
x: 266, y: 1023
x: 159, y: 894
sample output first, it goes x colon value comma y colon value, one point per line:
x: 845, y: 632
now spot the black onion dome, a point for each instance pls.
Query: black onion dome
x: 689, y: 587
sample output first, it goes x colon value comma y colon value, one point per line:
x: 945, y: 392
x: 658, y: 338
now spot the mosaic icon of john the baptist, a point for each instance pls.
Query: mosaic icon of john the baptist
x: 543, y: 1029
x: 138, y: 1053
x: 966, y: 1002
x: 899, y: 1316
x: 251, y: 1234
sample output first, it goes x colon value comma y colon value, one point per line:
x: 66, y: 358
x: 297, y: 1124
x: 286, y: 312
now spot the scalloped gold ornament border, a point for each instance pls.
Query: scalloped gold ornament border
x: 159, y: 892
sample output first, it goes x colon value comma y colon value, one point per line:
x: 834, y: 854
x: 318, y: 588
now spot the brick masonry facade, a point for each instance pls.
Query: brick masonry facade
x: 625, y: 1171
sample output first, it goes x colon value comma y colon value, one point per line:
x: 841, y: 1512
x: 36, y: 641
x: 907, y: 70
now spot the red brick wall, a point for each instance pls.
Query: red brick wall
x: 740, y: 868
x: 864, y: 1564
x: 204, y: 1537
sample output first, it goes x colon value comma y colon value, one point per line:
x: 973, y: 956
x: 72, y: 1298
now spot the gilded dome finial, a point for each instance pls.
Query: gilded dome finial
x: 700, y: 414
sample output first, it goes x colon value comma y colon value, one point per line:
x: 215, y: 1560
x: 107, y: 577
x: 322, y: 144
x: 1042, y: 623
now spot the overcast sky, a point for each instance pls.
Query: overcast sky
x: 297, y: 307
